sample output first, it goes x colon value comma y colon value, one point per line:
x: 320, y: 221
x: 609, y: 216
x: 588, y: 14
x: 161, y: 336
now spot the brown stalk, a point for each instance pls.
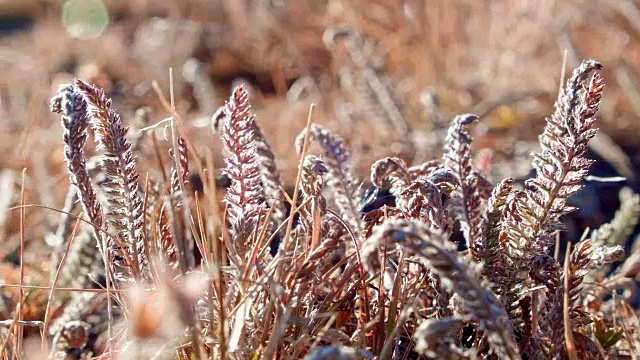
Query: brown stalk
x: 316, y: 227
x: 563, y: 70
x: 192, y: 149
x: 393, y: 305
x: 379, y: 340
x: 147, y: 242
x: 154, y: 244
x: 158, y: 154
x: 296, y: 191
x: 363, y: 276
x: 63, y: 259
x: 211, y: 197
x: 22, y: 243
x: 188, y: 260
x: 216, y: 252
x: 257, y: 250
x: 18, y: 318
x: 566, y: 307
x: 201, y: 247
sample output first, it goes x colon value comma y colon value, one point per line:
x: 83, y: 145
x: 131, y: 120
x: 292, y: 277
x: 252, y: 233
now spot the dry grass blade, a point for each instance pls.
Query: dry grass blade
x: 296, y: 190
x: 54, y: 283
x: 282, y: 315
x: 21, y: 297
x: 568, y: 331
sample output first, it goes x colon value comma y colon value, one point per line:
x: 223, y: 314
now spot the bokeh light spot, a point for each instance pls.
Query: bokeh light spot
x: 85, y: 19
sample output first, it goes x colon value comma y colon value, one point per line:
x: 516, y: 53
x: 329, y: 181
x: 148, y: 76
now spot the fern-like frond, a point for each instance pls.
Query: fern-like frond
x: 244, y: 197
x: 423, y: 200
x: 506, y: 277
x: 390, y: 173
x: 457, y: 158
x: 490, y: 247
x: 270, y: 176
x: 618, y: 230
x: 75, y: 123
x: 82, y: 267
x: 126, y: 214
x: 560, y: 165
x: 583, y: 259
x: 346, y: 193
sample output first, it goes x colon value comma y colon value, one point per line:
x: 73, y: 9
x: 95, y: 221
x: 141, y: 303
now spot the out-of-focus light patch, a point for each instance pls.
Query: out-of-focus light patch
x: 85, y: 19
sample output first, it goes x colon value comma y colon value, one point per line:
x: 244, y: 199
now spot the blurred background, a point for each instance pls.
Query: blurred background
x: 387, y: 75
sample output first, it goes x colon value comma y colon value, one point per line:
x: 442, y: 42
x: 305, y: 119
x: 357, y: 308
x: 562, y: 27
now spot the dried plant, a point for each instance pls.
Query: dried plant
x: 483, y: 306
x: 269, y: 173
x: 183, y: 176
x: 270, y: 176
x: 83, y: 266
x: 346, y: 194
x: 125, y: 213
x: 391, y: 281
x: 70, y: 104
x: 390, y: 173
x: 371, y: 91
x: 560, y: 165
x: 312, y: 184
x: 466, y: 198
x: 245, y: 197
x: 624, y: 221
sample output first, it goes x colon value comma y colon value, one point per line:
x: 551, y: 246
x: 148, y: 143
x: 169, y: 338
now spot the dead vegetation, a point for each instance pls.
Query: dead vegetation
x: 208, y: 219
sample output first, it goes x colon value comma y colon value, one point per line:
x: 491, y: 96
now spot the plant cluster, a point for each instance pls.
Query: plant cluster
x: 454, y: 268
